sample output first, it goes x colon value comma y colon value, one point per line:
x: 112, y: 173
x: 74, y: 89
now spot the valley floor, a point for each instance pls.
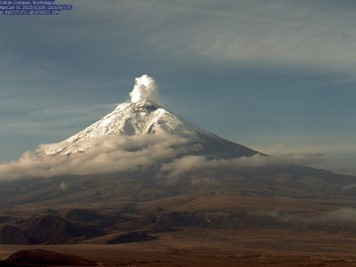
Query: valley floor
x: 196, y: 247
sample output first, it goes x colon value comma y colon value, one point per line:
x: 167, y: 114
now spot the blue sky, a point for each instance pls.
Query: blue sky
x: 278, y: 76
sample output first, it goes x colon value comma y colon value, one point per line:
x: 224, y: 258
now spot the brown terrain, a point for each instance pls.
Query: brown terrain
x: 210, y: 229
x: 276, y: 216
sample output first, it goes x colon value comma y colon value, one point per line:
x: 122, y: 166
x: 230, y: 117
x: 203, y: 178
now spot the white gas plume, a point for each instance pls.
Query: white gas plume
x: 145, y: 89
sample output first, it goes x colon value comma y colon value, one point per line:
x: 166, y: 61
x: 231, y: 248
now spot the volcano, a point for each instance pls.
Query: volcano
x: 142, y: 117
x: 140, y: 134
x: 142, y: 146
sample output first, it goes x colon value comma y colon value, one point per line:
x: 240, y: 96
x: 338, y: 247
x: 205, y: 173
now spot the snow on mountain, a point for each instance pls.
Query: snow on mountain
x: 128, y: 119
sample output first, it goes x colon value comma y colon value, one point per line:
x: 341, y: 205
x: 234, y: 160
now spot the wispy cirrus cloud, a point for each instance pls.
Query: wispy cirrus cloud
x: 316, y: 35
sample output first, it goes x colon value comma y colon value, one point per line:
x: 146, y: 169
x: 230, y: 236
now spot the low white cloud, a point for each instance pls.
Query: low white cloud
x: 104, y: 155
x: 349, y: 187
x: 184, y: 165
x: 63, y: 186
x: 169, y: 155
x: 338, y: 158
x: 347, y: 215
x: 307, y: 149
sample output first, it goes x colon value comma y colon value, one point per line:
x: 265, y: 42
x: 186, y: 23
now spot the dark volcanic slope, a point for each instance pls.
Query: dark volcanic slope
x: 216, y: 147
x: 51, y: 229
x: 291, y: 180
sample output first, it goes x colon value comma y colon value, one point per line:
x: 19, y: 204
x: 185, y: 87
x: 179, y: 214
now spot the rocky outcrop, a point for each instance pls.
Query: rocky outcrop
x: 131, y: 237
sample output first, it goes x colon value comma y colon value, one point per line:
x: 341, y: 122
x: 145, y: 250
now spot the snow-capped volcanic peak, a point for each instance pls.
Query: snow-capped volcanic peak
x: 139, y: 117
